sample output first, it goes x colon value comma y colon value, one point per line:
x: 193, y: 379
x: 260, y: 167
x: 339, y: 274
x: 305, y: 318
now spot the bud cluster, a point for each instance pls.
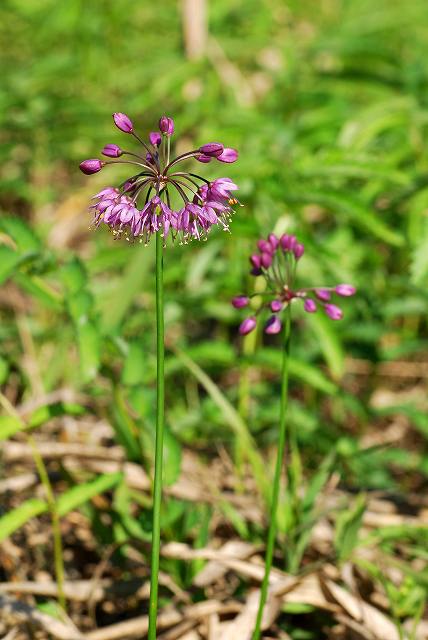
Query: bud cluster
x: 276, y: 260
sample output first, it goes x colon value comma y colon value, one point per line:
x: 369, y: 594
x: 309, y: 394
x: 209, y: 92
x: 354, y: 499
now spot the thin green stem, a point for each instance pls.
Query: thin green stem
x: 56, y: 529
x: 277, y: 478
x: 160, y: 410
x: 50, y: 499
x: 244, y: 387
x: 168, y: 150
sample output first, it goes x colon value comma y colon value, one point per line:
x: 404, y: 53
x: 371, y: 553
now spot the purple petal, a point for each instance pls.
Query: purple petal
x: 127, y: 214
x: 310, y: 305
x: 91, y: 166
x: 240, y: 301
x: 123, y: 123
x: 112, y: 151
x: 273, y: 241
x: 166, y: 125
x: 298, y: 250
x: 276, y: 305
x: 213, y: 149
x: 273, y: 325
x: 109, y: 214
x: 108, y: 191
x: 333, y: 312
x: 323, y: 294
x: 229, y: 155
x: 266, y: 260
x: 248, y: 325
x: 203, y: 158
x: 155, y: 138
x: 345, y: 290
x: 263, y: 245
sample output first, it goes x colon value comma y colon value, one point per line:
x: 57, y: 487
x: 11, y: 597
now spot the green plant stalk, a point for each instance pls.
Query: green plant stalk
x: 249, y: 345
x: 50, y: 499
x: 293, y: 510
x: 56, y: 529
x: 160, y: 412
x: 277, y: 478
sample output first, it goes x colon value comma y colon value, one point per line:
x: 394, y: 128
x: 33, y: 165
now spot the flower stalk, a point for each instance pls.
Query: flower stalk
x: 160, y: 419
x: 282, y: 440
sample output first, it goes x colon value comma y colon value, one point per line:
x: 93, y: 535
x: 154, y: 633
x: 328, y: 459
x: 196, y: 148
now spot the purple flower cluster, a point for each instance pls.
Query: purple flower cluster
x: 142, y: 204
x: 276, y: 260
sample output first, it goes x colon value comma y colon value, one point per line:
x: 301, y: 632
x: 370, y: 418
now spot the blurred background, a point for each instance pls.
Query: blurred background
x: 327, y: 103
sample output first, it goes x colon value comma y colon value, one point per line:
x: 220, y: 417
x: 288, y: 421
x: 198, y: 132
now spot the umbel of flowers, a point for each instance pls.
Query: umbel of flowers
x: 276, y: 260
x: 142, y: 204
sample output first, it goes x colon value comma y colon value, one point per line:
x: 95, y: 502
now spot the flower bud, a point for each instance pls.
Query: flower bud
x: 266, y: 260
x: 248, y: 325
x: 91, y: 166
x: 229, y: 155
x: 213, y: 149
x: 256, y: 260
x: 149, y: 158
x: 345, y: 290
x: 166, y: 126
x: 333, y: 312
x: 263, y: 245
x: 276, y: 305
x: 310, y: 305
x: 273, y: 325
x: 240, y: 301
x: 292, y: 241
x: 123, y: 123
x: 284, y: 241
x: 203, y: 158
x: 323, y: 294
x: 112, y: 151
x: 273, y: 241
x: 155, y: 138
x: 288, y: 242
x: 298, y: 250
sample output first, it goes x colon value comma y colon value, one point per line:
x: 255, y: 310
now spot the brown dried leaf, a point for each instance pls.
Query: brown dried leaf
x: 371, y: 619
x: 242, y: 626
x: 213, y: 571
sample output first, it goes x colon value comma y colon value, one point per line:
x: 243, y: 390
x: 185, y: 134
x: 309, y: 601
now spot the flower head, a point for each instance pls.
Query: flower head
x: 144, y: 204
x: 276, y: 260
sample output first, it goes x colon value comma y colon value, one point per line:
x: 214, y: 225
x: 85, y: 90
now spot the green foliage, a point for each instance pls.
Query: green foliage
x: 68, y: 501
x: 348, y: 524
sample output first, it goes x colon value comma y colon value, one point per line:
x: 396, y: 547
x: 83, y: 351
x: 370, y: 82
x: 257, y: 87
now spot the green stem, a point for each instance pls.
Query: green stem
x: 160, y: 410
x: 56, y: 530
x: 277, y: 478
x: 50, y: 499
x: 244, y: 388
